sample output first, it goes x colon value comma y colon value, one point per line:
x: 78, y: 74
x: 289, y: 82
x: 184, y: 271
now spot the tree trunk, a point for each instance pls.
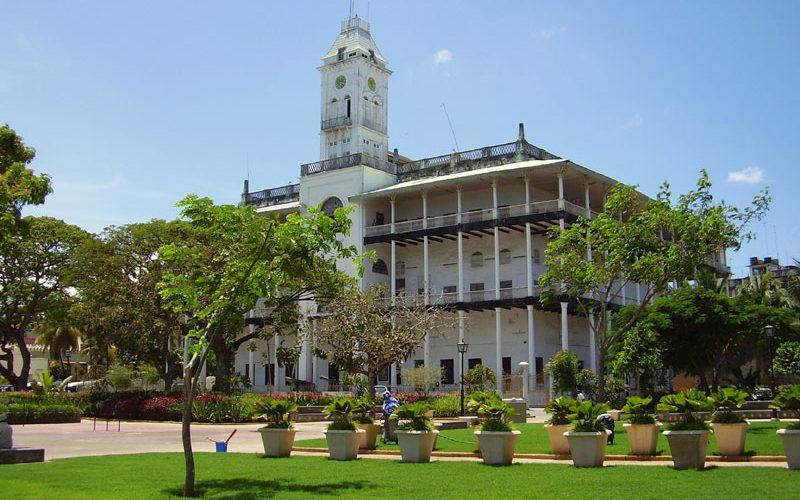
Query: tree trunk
x: 186, y: 434
x: 601, y: 379
x: 223, y: 367
x: 20, y: 382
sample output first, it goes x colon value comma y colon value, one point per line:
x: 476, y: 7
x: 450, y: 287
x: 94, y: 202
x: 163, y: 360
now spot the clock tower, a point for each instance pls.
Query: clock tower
x: 355, y: 83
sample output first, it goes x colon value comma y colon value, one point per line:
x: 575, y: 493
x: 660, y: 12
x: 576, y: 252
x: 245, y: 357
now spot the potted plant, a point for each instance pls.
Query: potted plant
x: 476, y: 400
x: 342, y: 433
x: 278, y: 434
x: 641, y: 427
x: 587, y: 437
x: 688, y: 437
x: 729, y: 427
x: 496, y: 437
x: 788, y: 400
x: 415, y: 432
x: 363, y: 408
x: 559, y: 410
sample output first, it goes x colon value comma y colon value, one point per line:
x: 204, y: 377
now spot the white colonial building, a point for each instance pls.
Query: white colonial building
x: 465, y: 230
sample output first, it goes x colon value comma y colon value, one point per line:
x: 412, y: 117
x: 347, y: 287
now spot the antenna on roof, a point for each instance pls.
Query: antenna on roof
x: 453, y: 132
x: 351, y: 9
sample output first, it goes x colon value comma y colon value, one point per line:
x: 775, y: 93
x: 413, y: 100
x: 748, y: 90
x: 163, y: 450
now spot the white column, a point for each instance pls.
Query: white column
x: 393, y: 275
x: 498, y: 316
x: 532, y: 338
x: 561, y: 190
x: 564, y: 327
x: 592, y: 343
x: 251, y: 372
x: 461, y: 313
x: 496, y: 243
x: 425, y: 279
x: 498, y: 343
x: 586, y: 200
x: 529, y: 281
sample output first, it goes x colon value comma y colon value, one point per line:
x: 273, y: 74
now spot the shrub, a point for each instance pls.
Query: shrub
x: 639, y: 410
x: 559, y: 410
x: 277, y: 412
x: 446, y: 406
x: 363, y: 407
x: 413, y: 417
x: 686, y: 403
x: 480, y: 398
x: 34, y: 413
x: 120, y: 377
x: 587, y: 383
x: 616, y: 392
x: 302, y: 398
x: 788, y: 400
x: 495, y: 415
x: 216, y: 408
x: 479, y: 378
x: 341, y: 411
x: 787, y: 359
x: 423, y: 378
x: 725, y: 401
x: 564, y: 367
x: 584, y: 417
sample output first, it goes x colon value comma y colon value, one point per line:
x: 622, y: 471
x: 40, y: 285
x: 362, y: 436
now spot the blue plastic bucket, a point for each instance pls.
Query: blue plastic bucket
x: 222, y: 446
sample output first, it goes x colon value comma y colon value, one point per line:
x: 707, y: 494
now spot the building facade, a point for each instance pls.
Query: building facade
x: 465, y: 231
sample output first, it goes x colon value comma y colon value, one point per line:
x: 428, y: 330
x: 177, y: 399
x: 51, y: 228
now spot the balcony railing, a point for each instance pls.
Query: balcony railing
x: 275, y: 196
x: 346, y: 162
x: 339, y: 121
x: 474, y: 158
x: 538, y: 207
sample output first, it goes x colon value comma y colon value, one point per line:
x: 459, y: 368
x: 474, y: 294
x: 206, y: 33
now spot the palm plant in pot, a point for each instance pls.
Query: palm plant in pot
x: 587, y: 437
x: 278, y: 435
x: 476, y: 400
x: 729, y: 427
x: 559, y: 410
x: 688, y: 437
x: 641, y: 427
x: 496, y: 436
x: 788, y: 400
x: 415, y: 432
x: 342, y: 434
x: 363, y: 409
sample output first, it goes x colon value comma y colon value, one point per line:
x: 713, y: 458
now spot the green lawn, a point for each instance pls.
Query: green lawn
x: 761, y: 440
x: 235, y: 475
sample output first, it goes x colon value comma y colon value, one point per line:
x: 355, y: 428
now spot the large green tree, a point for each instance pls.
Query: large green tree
x: 19, y: 185
x: 37, y: 273
x: 244, y: 259
x: 654, y: 242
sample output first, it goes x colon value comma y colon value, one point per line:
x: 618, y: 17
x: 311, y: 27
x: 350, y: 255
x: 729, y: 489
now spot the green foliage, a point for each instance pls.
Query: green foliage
x: 341, y: 411
x: 639, y: 353
x: 363, y: 407
x: 479, y: 378
x: 446, y: 406
x: 788, y: 400
x: 747, y: 382
x: 413, y: 417
x: 38, y: 413
x: 584, y: 417
x: 564, y: 367
x: 423, y: 378
x: 559, y: 410
x: 45, y: 383
x: 787, y: 359
x: 616, y: 392
x: 686, y: 403
x: 218, y: 408
x: 120, y: 376
x: 480, y: 398
x: 639, y: 410
x: 495, y: 416
x: 724, y: 402
x: 277, y: 412
x: 587, y: 382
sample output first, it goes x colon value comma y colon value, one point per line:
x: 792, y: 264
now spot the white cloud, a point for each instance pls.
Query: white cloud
x: 635, y: 121
x: 548, y: 33
x: 442, y: 56
x: 748, y: 175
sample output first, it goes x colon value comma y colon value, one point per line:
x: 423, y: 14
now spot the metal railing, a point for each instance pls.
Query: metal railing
x: 345, y: 162
x: 339, y: 121
x: 436, y: 221
x: 275, y: 196
x: 465, y: 160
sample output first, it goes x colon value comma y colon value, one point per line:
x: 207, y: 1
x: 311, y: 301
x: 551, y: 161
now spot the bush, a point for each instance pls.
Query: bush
x: 277, y: 412
x: 341, y: 411
x: 423, y: 378
x: 787, y: 359
x: 564, y: 367
x: 302, y: 398
x: 413, y: 417
x: 120, y: 377
x: 495, y: 415
x: 584, y: 417
x: 788, y: 400
x: 479, y: 378
x: 586, y: 382
x: 217, y: 408
x: 559, y: 410
x: 34, y: 413
x: 446, y: 406
x: 686, y: 403
x: 725, y: 401
x: 616, y: 392
x: 639, y: 410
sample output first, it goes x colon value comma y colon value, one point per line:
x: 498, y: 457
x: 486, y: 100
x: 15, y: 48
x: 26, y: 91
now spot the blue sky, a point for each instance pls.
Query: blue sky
x: 131, y: 105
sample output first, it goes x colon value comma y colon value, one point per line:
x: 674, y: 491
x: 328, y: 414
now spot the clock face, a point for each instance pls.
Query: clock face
x: 340, y: 81
x: 371, y: 83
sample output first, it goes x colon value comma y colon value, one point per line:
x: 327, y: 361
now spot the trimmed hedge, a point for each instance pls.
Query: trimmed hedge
x: 29, y: 413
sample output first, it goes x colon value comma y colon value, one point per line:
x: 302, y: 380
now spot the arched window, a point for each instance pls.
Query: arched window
x: 379, y: 267
x: 330, y: 205
x: 476, y: 260
x: 401, y: 268
x: 505, y: 256
x: 536, y: 256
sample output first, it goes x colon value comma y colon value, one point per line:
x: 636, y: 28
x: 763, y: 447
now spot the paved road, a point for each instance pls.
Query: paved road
x: 76, y: 440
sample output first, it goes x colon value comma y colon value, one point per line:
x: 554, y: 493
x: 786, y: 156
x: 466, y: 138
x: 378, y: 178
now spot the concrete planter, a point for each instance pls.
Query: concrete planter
x: 730, y: 438
x: 6, y: 441
x: 558, y: 443
x: 277, y: 442
x: 688, y: 448
x: 477, y: 438
x: 588, y: 449
x: 342, y: 445
x: 416, y: 446
x: 642, y: 437
x: 791, y: 446
x: 497, y: 447
x: 366, y: 440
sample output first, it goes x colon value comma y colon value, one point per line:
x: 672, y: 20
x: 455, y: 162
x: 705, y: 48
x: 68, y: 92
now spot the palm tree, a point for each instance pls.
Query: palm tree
x: 58, y: 338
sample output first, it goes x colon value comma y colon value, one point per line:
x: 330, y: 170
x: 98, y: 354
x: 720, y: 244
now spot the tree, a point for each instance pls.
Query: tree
x: 638, y: 353
x: 19, y: 186
x: 653, y: 242
x: 245, y: 258
x: 58, y: 338
x: 787, y: 359
x: 37, y: 271
x: 362, y: 334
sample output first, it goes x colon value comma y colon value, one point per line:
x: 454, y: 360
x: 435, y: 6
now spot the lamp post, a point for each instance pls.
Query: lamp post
x: 462, y: 349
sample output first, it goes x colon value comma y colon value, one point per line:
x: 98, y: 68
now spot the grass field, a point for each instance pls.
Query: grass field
x: 761, y: 440
x: 235, y: 475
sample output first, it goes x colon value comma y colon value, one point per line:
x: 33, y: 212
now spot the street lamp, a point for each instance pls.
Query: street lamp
x: 462, y: 349
x: 769, y: 330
